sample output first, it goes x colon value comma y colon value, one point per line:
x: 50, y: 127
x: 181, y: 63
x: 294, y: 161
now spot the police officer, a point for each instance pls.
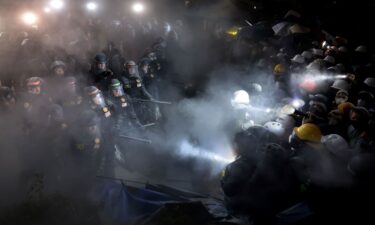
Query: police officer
x: 87, y: 150
x: 101, y: 75
x: 72, y: 100
x: 125, y: 116
x: 34, y: 103
x: 7, y: 99
x: 135, y: 88
x: 97, y: 102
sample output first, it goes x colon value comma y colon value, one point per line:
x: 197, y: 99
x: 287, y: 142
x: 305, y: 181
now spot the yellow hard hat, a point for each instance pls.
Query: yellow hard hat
x: 279, y: 69
x: 308, y: 132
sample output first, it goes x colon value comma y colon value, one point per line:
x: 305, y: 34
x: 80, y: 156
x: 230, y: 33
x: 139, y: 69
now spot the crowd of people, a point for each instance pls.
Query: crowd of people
x: 314, y: 158
x: 318, y: 155
x: 70, y: 117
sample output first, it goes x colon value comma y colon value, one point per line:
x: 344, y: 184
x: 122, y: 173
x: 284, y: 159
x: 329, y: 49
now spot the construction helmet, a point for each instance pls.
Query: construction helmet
x: 345, y: 107
x: 329, y: 59
x: 370, y: 81
x: 279, y: 69
x: 361, y: 49
x: 341, y: 85
x: 308, y: 132
x: 101, y: 58
x: 307, y: 55
x: 56, y: 64
x: 299, y: 59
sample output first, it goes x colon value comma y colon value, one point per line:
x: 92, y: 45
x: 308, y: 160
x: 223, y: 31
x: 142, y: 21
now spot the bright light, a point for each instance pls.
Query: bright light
x: 56, y: 4
x: 188, y: 150
x: 47, y: 9
x: 138, y: 7
x: 91, y: 6
x: 298, y: 103
x: 240, y: 98
x: 268, y: 110
x: 29, y: 18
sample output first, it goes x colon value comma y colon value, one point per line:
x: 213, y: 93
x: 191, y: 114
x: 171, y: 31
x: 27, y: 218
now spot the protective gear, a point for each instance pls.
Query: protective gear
x: 341, y: 97
x: 365, y: 99
x: 248, y: 143
x: 116, y: 88
x: 335, y: 118
x: 101, y: 58
x: 241, y: 99
x: 96, y: 97
x: 340, y: 67
x: 57, y: 64
x: 344, y: 108
x: 144, y: 66
x: 298, y: 59
x: 34, y: 85
x: 307, y: 55
x: 314, y: 66
x: 7, y: 97
x: 131, y: 68
x: 70, y: 83
x: 333, y: 70
x: 308, y: 132
x: 341, y: 85
x: 336, y: 144
x: 343, y: 49
x: 329, y: 59
x: 361, y: 49
x: 359, y: 113
x: 276, y: 128
x: 318, y: 98
x: 317, y: 52
x: 279, y: 69
x: 370, y: 81
x: 152, y: 56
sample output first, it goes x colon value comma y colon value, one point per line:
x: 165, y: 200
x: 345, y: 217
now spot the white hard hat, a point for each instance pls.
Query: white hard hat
x: 329, y: 59
x: 307, y: 55
x: 361, y: 49
x: 335, y: 144
x: 298, y: 59
x: 317, y: 52
x: 240, y: 99
x: 370, y: 81
x: 343, y: 49
x: 341, y: 85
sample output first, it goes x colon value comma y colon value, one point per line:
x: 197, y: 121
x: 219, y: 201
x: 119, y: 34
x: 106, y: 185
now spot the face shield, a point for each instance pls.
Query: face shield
x: 132, y: 69
x: 145, y: 68
x: 98, y: 100
x: 101, y: 66
x: 117, y: 91
x: 34, y: 90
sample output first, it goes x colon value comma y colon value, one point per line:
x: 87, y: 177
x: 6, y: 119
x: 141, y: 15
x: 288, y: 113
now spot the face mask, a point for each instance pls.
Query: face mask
x: 340, y: 100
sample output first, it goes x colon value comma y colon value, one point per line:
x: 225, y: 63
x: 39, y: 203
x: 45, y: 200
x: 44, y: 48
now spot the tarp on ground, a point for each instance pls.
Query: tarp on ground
x: 126, y: 205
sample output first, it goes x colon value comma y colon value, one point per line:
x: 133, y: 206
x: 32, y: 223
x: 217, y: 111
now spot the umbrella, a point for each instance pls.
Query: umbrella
x: 258, y: 31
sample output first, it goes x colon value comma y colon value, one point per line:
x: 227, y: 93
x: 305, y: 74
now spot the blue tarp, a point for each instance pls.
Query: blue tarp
x: 126, y: 206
